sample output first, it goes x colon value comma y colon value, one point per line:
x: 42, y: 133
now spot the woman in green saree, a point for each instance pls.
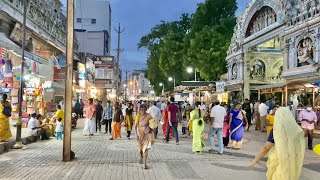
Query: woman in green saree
x: 196, y: 117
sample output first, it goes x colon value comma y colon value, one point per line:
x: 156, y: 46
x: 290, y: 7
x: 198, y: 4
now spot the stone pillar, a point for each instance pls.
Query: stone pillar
x: 292, y: 60
x: 286, y: 57
x: 317, y: 53
x: 229, y: 72
x: 245, y: 76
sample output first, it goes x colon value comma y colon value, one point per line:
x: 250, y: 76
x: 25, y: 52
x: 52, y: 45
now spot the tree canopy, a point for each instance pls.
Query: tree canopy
x: 199, y: 40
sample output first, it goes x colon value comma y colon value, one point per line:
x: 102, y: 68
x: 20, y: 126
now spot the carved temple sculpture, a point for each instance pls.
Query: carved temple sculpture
x: 234, y: 71
x: 261, y: 20
x: 305, y: 52
x: 46, y: 14
x: 257, y: 70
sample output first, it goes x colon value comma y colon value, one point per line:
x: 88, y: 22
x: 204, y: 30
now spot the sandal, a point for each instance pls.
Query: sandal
x: 145, y: 167
x: 140, y: 162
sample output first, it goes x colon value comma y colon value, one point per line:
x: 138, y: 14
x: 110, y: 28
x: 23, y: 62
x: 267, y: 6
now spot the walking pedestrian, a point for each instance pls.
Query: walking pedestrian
x: 257, y: 115
x: 107, y: 116
x: 99, y: 111
x: 247, y: 108
x: 285, y: 146
x: 129, y: 120
x: 226, y: 130
x: 173, y: 120
x: 144, y: 134
x: 59, y: 129
x: 90, y: 124
x: 189, y: 125
x: 81, y: 108
x: 196, y: 117
x: 237, y: 120
x: 217, y: 115
x: 165, y: 117
x: 77, y: 108
x: 155, y: 113
x: 5, y: 132
x: 270, y: 119
x: 308, y: 120
x: 263, y: 111
x: 116, y: 122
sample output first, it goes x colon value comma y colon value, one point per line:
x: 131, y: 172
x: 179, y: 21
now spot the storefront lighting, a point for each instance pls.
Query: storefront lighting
x: 26, y: 77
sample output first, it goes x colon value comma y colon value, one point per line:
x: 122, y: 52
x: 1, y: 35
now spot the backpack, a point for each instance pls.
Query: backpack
x: 6, y: 110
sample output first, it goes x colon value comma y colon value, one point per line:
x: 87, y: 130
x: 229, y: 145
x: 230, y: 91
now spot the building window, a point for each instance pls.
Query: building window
x: 93, y: 21
x: 78, y: 20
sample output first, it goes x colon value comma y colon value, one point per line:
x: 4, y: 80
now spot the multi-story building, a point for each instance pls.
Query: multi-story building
x: 45, y: 45
x: 138, y: 85
x: 93, y: 26
x: 274, y: 52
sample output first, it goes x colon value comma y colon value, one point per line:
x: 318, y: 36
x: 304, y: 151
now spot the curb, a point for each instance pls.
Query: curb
x: 7, y: 146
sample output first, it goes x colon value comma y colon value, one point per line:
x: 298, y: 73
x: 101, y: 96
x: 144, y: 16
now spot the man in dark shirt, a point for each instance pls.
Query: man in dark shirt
x: 173, y: 121
x: 99, y: 111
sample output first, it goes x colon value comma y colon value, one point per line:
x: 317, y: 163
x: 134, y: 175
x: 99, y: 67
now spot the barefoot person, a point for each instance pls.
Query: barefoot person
x: 286, y: 148
x: 5, y: 132
x: 237, y: 120
x: 196, y: 118
x: 90, y: 124
x: 116, y: 122
x: 145, y: 136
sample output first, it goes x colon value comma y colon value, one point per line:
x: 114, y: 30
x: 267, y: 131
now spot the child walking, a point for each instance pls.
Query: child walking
x: 59, y: 128
x: 184, y: 127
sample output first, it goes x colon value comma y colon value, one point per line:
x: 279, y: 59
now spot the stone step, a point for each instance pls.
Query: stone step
x: 7, y: 146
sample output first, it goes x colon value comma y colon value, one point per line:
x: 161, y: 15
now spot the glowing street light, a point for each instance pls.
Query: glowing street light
x: 161, y: 84
x: 190, y: 70
x: 174, y: 81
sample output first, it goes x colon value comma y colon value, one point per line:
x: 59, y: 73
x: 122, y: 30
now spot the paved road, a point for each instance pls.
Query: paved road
x: 99, y: 158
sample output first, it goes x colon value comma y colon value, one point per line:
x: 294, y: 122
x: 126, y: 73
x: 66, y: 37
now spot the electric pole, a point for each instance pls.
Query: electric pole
x: 119, y: 31
x: 68, y: 155
x: 126, y: 86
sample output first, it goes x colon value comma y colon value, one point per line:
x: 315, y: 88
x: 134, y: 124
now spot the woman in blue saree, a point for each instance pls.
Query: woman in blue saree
x: 237, y: 121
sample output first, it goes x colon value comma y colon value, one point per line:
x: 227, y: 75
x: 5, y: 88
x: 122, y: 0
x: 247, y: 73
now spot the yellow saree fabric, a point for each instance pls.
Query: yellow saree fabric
x: 286, y: 156
x: 5, y: 132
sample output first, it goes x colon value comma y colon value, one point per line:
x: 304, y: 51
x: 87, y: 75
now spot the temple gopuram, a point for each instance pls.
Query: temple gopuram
x: 275, y: 52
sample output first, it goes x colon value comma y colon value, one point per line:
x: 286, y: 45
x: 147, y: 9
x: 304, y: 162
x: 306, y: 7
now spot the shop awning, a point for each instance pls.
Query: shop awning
x: 8, y: 44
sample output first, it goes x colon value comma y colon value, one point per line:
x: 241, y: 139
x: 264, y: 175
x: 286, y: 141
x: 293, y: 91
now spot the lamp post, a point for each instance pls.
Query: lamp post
x: 161, y: 84
x: 190, y: 70
x: 125, y: 92
x: 174, y: 81
x: 18, y: 144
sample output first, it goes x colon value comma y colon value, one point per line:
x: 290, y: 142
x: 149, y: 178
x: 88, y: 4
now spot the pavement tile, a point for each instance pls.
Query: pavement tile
x: 99, y: 158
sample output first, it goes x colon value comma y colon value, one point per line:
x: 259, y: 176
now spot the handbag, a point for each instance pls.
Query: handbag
x: 103, y: 122
x: 153, y: 124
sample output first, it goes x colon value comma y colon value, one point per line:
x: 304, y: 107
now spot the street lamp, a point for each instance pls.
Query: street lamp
x: 161, y: 84
x: 174, y: 81
x: 190, y: 70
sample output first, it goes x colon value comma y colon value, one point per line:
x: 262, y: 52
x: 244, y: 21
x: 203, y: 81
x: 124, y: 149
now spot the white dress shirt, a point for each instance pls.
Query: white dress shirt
x: 218, y: 113
x: 263, y: 109
x: 155, y: 112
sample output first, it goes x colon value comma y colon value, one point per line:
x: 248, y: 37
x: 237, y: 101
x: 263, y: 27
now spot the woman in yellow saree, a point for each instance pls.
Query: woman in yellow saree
x: 5, y: 132
x: 286, y: 148
x: 196, y: 118
x: 129, y: 120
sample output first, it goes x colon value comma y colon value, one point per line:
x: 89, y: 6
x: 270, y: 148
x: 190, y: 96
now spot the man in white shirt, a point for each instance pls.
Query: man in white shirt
x: 263, y: 111
x: 155, y: 112
x: 218, y: 113
x: 32, y: 125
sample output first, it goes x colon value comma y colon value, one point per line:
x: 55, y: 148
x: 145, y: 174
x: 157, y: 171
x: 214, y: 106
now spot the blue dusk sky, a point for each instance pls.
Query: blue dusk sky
x: 137, y: 17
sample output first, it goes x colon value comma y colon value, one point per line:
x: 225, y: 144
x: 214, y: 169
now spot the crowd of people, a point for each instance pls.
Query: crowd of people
x: 226, y: 121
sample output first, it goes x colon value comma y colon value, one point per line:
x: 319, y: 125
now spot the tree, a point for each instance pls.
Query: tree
x: 200, y: 41
x: 209, y: 37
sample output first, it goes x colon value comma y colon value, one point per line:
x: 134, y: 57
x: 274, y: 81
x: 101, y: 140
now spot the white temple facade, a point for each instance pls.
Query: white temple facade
x: 275, y: 46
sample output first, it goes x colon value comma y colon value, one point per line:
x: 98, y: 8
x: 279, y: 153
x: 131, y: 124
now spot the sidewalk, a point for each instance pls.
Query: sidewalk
x: 25, y: 138
x: 99, y: 158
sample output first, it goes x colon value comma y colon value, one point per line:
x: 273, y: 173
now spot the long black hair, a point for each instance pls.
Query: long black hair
x: 197, y: 104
